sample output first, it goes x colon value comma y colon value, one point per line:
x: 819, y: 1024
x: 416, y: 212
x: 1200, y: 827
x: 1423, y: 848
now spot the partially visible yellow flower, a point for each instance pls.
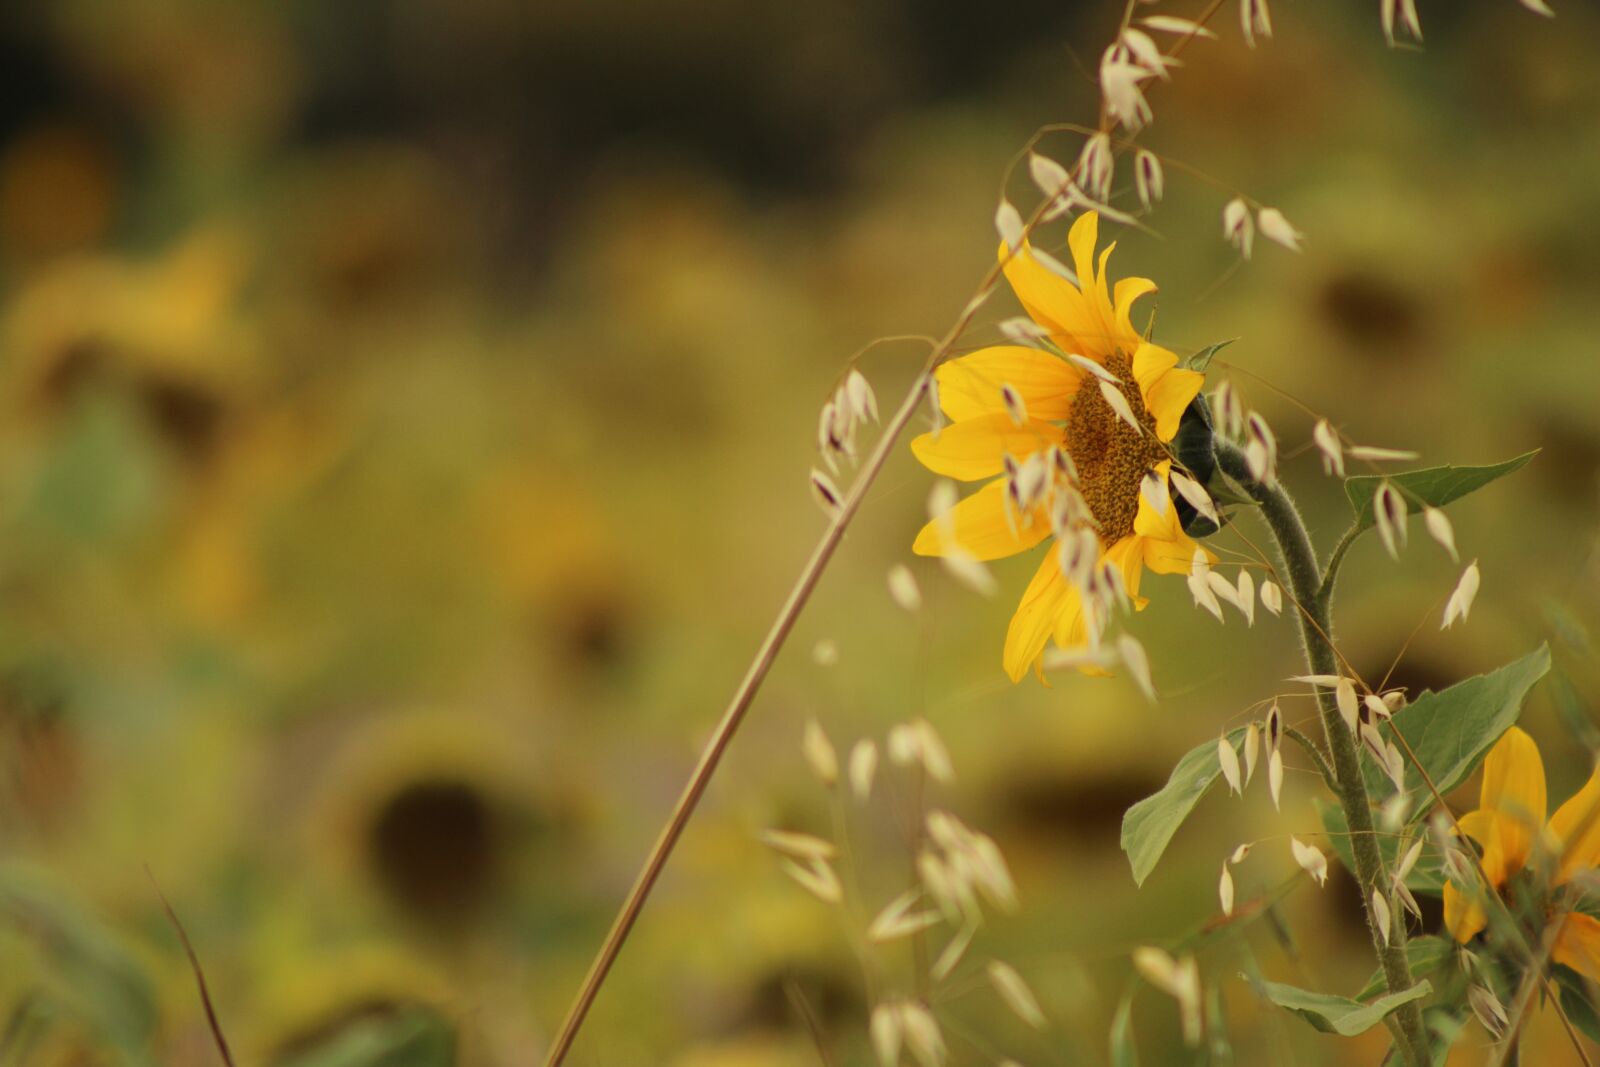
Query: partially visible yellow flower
x: 1066, y: 409
x: 1507, y: 824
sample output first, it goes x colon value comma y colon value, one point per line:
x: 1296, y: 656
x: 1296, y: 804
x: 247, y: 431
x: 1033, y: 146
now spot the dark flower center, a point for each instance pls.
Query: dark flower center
x: 1111, y: 456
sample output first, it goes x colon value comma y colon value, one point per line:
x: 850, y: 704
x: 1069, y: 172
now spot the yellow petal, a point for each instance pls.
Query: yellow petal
x: 1575, y: 828
x: 1166, y: 548
x: 1174, y: 554
x: 1578, y: 944
x: 981, y: 527
x: 1150, y: 362
x: 976, y: 448
x: 1098, y: 335
x: 1030, y: 628
x: 1463, y: 911
x: 1095, y: 292
x: 1128, y: 291
x: 1081, y: 239
x: 1128, y: 556
x: 1053, y: 302
x: 1487, y: 827
x: 1072, y: 625
x: 1167, y: 389
x: 1463, y: 916
x: 1513, y: 785
x: 970, y: 386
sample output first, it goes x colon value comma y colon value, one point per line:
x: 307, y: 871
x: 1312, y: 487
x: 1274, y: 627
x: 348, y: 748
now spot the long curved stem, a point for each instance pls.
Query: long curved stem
x: 711, y: 755
x: 1316, y: 634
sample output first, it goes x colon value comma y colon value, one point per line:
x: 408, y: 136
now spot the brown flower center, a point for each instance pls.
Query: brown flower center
x: 1111, y: 456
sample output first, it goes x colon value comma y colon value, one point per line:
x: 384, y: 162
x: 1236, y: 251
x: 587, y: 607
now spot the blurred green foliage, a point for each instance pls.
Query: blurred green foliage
x: 407, y: 411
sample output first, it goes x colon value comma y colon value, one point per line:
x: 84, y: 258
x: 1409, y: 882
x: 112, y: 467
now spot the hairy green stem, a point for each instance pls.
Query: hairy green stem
x: 1315, y: 600
x: 1330, y: 572
x: 1310, y: 748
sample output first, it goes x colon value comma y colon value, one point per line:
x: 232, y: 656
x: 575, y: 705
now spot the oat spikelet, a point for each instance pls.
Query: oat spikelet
x: 923, y: 1037
x: 1225, y: 890
x: 826, y: 494
x: 1490, y: 1012
x: 1439, y: 528
x: 1016, y: 994
x: 1261, y: 449
x: 1374, y: 454
x: 1237, y: 226
x: 1344, y: 695
x: 1148, y: 178
x: 863, y: 767
x: 886, y: 1034
x: 1380, y: 913
x: 1228, y: 759
x: 1274, y: 227
x: 819, y: 753
x: 798, y: 845
x: 1389, y: 509
x: 933, y: 753
x: 1008, y: 223
x: 1460, y: 603
x: 1137, y: 661
x: 903, y: 588
x: 1252, y: 745
x: 1051, y: 177
x: 897, y: 920
x: 1310, y: 859
x: 1327, y: 443
x: 817, y: 878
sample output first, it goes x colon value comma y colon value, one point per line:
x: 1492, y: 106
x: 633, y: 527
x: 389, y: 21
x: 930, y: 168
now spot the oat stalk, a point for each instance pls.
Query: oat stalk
x: 733, y: 716
x: 1316, y: 634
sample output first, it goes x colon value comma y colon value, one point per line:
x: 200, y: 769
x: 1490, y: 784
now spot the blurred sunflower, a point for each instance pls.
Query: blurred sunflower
x: 1067, y: 433
x: 1507, y: 824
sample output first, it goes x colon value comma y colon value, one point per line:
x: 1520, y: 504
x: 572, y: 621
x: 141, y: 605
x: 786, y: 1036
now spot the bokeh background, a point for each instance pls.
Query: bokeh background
x: 406, y: 415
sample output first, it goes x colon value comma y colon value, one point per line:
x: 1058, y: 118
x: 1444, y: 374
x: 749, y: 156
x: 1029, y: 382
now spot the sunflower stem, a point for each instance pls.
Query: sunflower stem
x: 1314, y: 597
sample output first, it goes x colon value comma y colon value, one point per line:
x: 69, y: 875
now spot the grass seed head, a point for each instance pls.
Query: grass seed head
x: 1012, y: 989
x: 819, y: 753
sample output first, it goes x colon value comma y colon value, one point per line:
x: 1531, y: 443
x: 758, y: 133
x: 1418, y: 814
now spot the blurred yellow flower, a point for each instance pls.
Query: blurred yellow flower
x: 1011, y: 403
x: 1507, y: 823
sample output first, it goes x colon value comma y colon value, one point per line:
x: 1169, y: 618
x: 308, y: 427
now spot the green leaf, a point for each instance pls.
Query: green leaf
x: 1123, y: 1053
x: 1432, y: 485
x: 1576, y: 1003
x: 1444, y: 1026
x: 1425, y: 877
x: 1201, y: 360
x: 85, y: 966
x: 1339, y: 1015
x: 1426, y: 954
x: 414, y: 1037
x: 1148, y: 826
x: 1450, y: 731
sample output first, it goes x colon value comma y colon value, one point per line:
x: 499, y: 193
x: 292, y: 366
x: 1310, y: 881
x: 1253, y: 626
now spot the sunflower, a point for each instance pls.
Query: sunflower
x: 1060, y: 458
x: 1507, y: 825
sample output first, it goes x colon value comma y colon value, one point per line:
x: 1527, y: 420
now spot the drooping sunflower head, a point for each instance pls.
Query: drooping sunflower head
x: 1074, y: 435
